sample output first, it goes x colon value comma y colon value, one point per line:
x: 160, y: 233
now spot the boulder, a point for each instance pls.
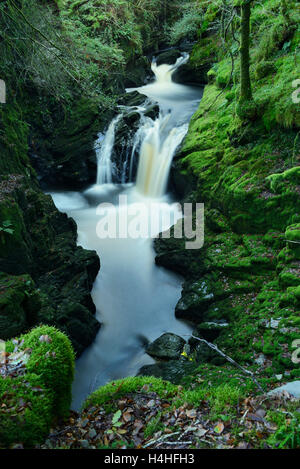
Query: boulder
x: 173, y: 370
x: 166, y: 347
x: 292, y: 388
x: 168, y: 57
x: 210, y: 330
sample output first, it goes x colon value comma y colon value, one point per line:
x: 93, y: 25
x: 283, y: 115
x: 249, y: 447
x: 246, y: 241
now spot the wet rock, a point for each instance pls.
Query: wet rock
x: 167, y: 347
x: 204, y: 353
x: 152, y: 111
x: 173, y: 370
x: 195, y: 300
x: 19, y: 304
x: 62, y: 148
x: 187, y: 74
x: 133, y: 98
x: 210, y: 330
x: 46, y: 276
x: 168, y: 57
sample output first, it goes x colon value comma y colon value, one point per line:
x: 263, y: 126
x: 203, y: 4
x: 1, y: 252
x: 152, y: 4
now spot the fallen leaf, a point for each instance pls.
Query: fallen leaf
x: 219, y: 428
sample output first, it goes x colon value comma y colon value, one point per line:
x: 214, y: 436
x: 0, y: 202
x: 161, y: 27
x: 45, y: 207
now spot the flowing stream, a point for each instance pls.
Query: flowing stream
x: 135, y: 299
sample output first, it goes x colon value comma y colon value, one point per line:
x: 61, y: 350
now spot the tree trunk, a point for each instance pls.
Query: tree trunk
x: 246, y: 91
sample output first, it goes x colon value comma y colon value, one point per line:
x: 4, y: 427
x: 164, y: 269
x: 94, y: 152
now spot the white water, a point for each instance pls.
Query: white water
x: 135, y: 299
x: 104, y: 146
x: 156, y: 139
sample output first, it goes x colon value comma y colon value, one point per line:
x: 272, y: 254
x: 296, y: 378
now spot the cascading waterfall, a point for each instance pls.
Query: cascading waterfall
x: 104, y: 146
x: 165, y: 135
x: 156, y: 140
x: 156, y: 158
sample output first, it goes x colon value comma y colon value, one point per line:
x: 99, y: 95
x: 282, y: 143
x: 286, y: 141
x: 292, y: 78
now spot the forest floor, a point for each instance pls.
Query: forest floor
x: 144, y: 419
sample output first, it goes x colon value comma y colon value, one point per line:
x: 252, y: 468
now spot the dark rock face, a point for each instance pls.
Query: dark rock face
x: 173, y: 370
x: 167, y: 347
x: 62, y: 146
x: 188, y: 75
x: 210, y: 330
x: 168, y: 57
x: 204, y: 354
x: 45, y: 277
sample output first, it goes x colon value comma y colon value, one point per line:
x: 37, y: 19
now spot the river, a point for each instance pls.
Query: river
x: 134, y: 298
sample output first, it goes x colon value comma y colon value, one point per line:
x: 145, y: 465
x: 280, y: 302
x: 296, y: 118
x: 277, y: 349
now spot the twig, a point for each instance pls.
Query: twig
x: 247, y: 372
x: 244, y: 416
x: 163, y: 437
x: 175, y: 443
x: 290, y: 241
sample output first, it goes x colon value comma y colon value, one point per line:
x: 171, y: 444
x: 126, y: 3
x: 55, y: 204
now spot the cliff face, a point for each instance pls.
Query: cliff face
x: 248, y: 175
x: 45, y: 277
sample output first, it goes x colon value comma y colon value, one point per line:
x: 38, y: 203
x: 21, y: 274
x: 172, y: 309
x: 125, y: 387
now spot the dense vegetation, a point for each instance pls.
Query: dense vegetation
x: 65, y: 64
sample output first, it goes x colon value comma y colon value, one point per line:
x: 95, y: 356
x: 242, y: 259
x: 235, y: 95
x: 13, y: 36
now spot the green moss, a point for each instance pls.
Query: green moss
x: 116, y: 389
x: 264, y: 68
x: 53, y: 361
x: 34, y: 401
x: 19, y: 304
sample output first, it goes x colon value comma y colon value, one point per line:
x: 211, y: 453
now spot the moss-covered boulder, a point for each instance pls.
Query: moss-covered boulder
x: 35, y: 385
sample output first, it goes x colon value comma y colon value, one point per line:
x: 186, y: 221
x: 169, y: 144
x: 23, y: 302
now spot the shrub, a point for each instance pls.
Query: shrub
x: 187, y: 26
x: 264, y: 69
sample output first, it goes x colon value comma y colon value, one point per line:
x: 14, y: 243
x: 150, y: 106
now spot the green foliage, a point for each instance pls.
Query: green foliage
x: 287, y: 435
x: 187, y: 27
x: 153, y: 426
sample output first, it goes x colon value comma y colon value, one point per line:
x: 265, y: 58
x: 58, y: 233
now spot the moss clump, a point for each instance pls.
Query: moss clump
x: 264, y: 68
x: 42, y: 394
x: 119, y: 388
x: 52, y: 358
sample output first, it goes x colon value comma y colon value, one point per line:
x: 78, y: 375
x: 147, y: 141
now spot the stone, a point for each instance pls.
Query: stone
x: 92, y: 433
x: 293, y: 388
x: 210, y: 330
x: 84, y: 443
x: 168, y: 346
x: 260, y: 360
x: 168, y: 57
x: 172, y: 370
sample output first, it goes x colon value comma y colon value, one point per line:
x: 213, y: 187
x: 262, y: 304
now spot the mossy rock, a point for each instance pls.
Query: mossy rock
x: 35, y: 400
x: 172, y: 370
x: 27, y: 413
x: 167, y: 347
x: 20, y: 303
x: 116, y: 389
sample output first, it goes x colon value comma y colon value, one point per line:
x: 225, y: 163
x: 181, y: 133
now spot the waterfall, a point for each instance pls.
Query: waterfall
x: 152, y: 147
x: 104, y: 147
x: 166, y: 133
x: 156, y: 158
